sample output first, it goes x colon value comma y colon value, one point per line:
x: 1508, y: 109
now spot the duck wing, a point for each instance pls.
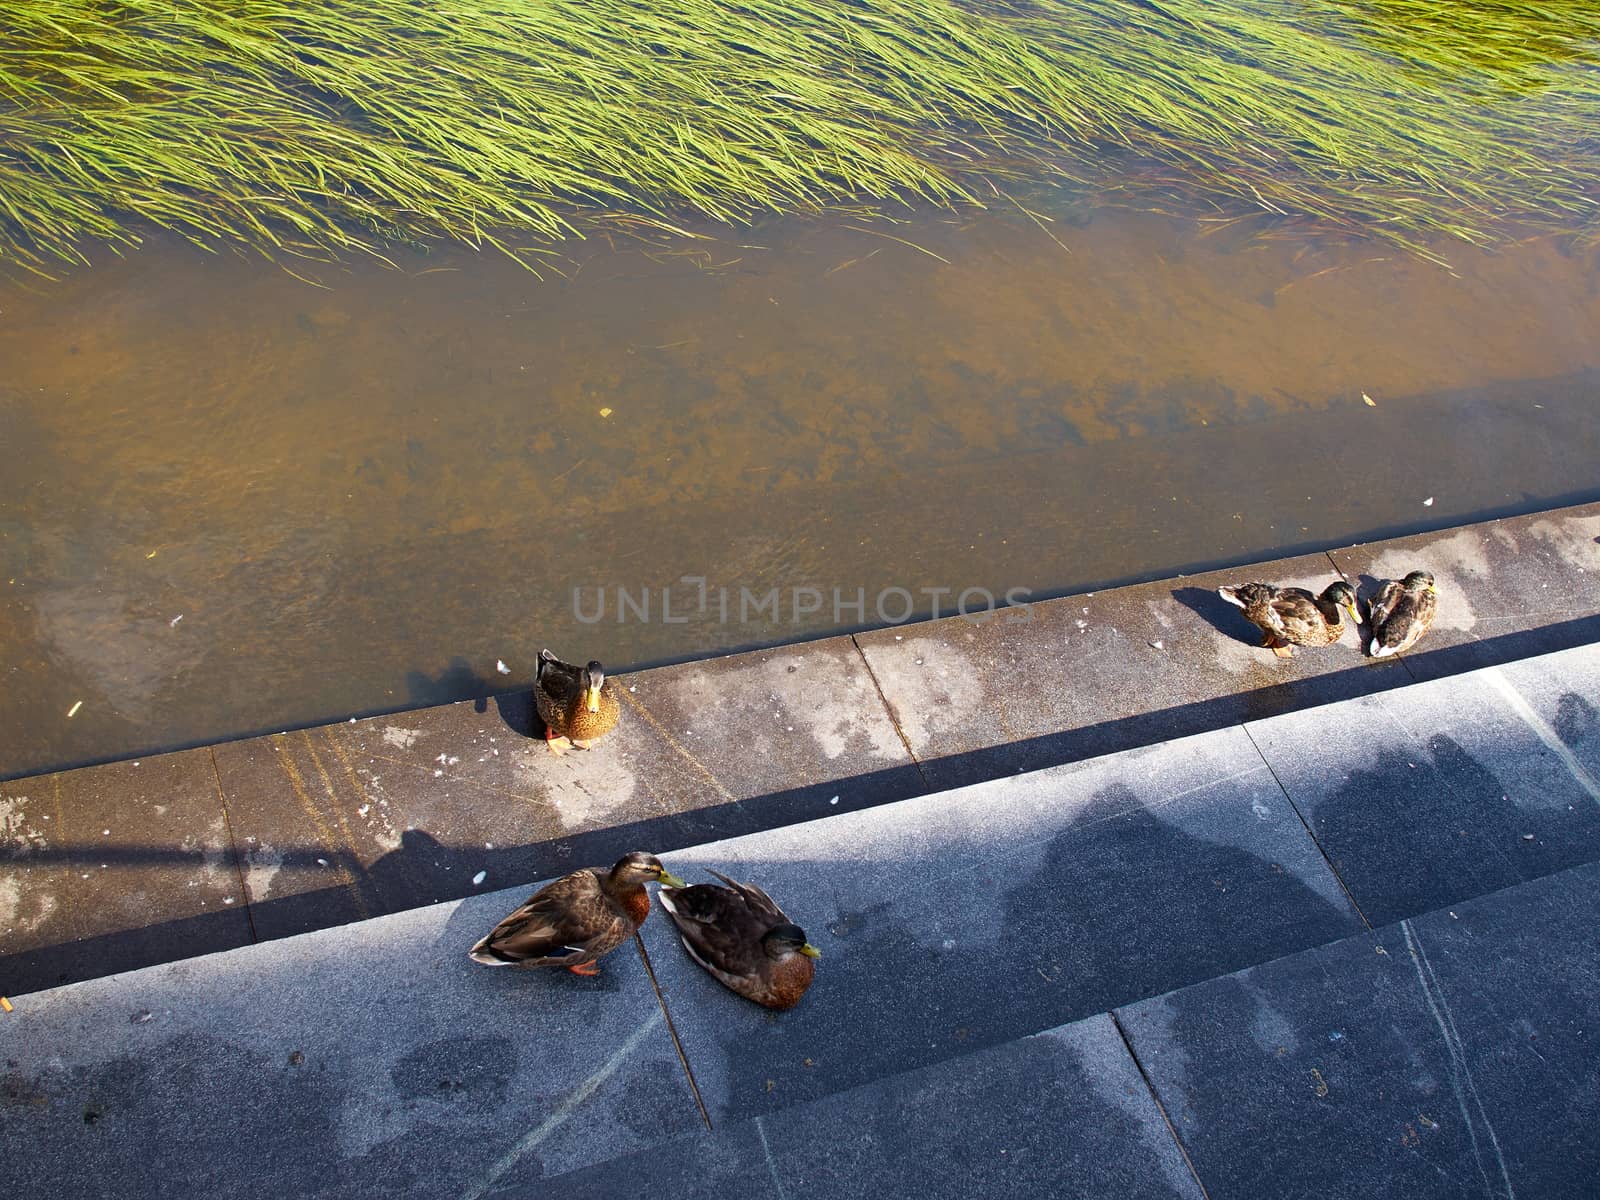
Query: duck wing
x: 1406, y: 620
x: 1379, y: 607
x: 756, y: 899
x: 1297, y: 614
x: 558, y: 686
x: 721, y: 929
x: 568, y: 922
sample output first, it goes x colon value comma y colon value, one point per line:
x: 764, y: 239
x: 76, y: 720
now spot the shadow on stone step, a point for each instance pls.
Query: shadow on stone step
x: 1509, y: 647
x: 423, y: 871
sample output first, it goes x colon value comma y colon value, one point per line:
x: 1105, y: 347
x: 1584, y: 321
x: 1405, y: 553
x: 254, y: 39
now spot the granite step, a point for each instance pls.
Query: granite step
x: 1448, y: 1055
x: 376, y: 1059
x: 122, y: 865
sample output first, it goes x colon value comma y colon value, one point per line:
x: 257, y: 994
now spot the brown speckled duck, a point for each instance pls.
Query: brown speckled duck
x: 573, y: 921
x: 576, y: 704
x: 743, y: 940
x: 1401, y: 613
x: 1291, y: 616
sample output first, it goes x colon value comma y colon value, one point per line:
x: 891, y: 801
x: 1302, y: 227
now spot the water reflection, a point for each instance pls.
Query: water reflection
x: 235, y: 502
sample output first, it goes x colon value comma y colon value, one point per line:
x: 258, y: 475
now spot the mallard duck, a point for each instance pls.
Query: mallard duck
x: 576, y: 704
x: 1401, y: 613
x: 576, y: 919
x: 1292, y: 616
x: 743, y: 939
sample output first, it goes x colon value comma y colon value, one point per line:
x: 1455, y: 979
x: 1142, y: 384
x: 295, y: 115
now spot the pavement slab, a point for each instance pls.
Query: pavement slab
x: 1453, y: 1055
x: 961, y: 920
x: 34, y: 923
x: 1508, y: 589
x: 121, y: 867
x: 371, y: 1060
x: 1088, y: 675
x: 1449, y: 789
x: 1063, y: 1113
x: 352, y: 820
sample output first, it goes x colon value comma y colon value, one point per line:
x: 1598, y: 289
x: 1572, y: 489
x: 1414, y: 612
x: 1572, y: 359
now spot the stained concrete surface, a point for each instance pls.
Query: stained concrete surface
x: 117, y: 867
x: 1452, y: 1055
x: 1062, y: 1113
x: 1452, y: 788
x: 359, y: 818
x: 370, y: 1060
x: 353, y: 820
x: 961, y: 920
x: 1507, y: 589
x: 1092, y: 674
x: 375, y: 1059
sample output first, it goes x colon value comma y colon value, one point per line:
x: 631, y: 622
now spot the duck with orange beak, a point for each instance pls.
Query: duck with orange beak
x: 576, y: 704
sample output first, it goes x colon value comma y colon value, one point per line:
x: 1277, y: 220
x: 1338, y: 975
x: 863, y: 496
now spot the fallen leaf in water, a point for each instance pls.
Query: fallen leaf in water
x: 1370, y: 402
x: 605, y: 412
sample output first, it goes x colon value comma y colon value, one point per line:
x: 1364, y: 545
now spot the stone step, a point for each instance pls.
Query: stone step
x: 122, y: 865
x: 376, y: 1059
x: 1449, y: 1055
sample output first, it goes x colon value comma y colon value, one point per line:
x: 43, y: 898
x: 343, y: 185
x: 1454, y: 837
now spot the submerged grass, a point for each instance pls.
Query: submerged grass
x: 345, y: 125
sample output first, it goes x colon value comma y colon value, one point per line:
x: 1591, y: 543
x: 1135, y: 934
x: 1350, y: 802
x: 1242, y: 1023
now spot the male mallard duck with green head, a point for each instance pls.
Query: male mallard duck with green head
x: 1401, y: 613
x: 573, y: 921
x: 576, y: 704
x: 743, y: 940
x: 1291, y: 616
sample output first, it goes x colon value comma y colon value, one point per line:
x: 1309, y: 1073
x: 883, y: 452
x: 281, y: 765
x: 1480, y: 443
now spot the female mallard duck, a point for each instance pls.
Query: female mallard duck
x: 743, y: 939
x: 1401, y: 613
x: 576, y: 919
x: 575, y: 703
x: 1292, y: 616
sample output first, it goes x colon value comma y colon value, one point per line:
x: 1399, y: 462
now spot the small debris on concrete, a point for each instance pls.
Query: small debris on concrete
x: 1527, y: 837
x: 141, y: 1017
x: 1428, y: 503
x: 479, y: 878
x: 73, y: 711
x: 296, y: 1058
x: 835, y: 800
x: 1157, y: 645
x: 174, y: 622
x: 500, y: 665
x: 5, y: 1005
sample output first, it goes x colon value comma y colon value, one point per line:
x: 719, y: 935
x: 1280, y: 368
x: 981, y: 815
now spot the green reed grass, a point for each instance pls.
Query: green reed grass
x: 339, y: 126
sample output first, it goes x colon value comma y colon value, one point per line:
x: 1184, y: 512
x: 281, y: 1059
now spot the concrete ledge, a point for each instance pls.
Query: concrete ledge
x: 316, y: 827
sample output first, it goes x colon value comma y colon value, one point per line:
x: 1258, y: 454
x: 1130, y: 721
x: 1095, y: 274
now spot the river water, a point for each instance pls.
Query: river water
x: 233, y: 501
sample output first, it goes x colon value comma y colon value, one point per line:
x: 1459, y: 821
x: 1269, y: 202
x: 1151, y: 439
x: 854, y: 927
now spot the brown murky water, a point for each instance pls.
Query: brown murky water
x: 234, y: 502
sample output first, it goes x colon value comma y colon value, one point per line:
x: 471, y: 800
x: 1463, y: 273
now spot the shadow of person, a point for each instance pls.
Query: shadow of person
x: 423, y: 870
x: 1122, y: 904
x: 1218, y: 613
